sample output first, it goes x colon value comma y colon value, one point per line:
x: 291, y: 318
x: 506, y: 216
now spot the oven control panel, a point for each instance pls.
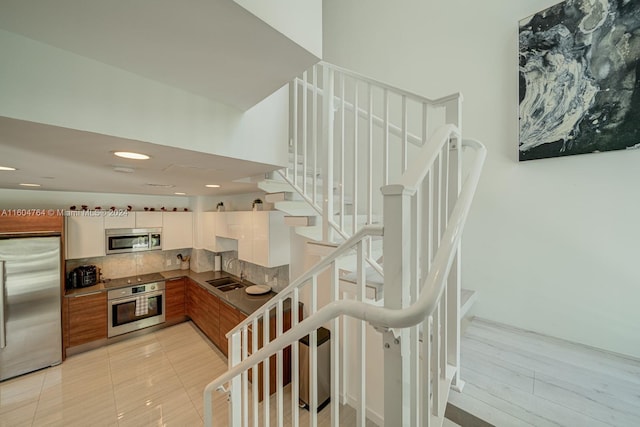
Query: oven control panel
x: 145, y: 288
x: 135, y: 290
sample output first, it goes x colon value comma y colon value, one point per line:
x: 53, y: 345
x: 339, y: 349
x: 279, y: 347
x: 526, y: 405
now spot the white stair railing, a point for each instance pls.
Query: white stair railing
x: 351, y: 135
x: 424, y: 216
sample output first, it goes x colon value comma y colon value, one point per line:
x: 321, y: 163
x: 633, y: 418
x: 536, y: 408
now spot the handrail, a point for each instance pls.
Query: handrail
x: 366, y: 231
x: 437, y: 101
x: 414, y: 139
x: 379, y: 317
x: 414, y: 175
x: 396, y: 130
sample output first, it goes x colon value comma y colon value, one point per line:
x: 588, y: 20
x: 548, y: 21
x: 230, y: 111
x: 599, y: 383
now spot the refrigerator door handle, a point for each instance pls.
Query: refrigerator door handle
x: 3, y: 339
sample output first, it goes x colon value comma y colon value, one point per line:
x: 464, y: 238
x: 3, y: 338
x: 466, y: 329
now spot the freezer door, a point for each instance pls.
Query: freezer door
x: 30, y: 311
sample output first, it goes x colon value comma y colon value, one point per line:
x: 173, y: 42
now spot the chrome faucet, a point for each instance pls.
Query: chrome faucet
x: 228, y: 267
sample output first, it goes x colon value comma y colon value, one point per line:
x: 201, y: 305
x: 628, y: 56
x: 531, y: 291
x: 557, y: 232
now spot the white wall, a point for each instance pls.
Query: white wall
x: 551, y: 245
x: 299, y: 20
x: 44, y: 84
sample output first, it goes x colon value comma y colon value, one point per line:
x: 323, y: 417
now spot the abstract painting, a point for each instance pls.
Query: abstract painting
x: 580, y: 79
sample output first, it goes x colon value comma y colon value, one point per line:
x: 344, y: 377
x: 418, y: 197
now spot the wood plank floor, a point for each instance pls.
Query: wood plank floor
x: 519, y: 378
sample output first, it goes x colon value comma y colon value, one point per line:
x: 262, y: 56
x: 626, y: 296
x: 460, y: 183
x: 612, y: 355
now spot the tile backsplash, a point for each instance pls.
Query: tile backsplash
x: 277, y: 277
x: 123, y: 265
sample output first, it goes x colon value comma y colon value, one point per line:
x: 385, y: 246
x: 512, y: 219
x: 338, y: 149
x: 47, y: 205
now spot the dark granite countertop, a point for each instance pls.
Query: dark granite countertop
x: 237, y: 298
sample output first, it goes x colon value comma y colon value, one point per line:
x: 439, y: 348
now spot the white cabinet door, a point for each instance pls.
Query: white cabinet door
x: 207, y: 238
x: 148, y: 219
x: 222, y: 227
x: 234, y: 224
x: 208, y: 234
x: 244, y: 233
x: 119, y: 219
x: 84, y: 237
x: 270, y: 240
x: 261, y: 238
x: 177, y: 230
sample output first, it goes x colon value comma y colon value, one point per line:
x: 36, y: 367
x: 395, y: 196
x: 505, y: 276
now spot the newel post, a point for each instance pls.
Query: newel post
x: 454, y: 282
x: 397, y: 252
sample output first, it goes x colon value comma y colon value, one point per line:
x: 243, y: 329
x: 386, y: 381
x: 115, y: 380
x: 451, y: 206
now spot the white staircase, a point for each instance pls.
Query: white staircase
x: 376, y: 186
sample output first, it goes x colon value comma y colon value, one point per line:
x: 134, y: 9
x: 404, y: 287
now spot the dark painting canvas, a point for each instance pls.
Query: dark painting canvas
x: 580, y: 79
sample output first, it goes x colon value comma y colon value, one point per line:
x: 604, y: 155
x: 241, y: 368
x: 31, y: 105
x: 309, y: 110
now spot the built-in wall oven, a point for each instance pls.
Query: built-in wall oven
x: 135, y: 307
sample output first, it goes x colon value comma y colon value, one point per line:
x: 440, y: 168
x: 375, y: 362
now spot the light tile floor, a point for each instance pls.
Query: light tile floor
x: 155, y: 379
x: 152, y: 380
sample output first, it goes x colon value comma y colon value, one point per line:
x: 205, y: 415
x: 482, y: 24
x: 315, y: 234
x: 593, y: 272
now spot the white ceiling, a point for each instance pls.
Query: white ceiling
x: 213, y: 48
x: 70, y: 160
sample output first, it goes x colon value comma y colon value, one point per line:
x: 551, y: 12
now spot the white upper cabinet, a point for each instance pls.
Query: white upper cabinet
x: 209, y: 236
x: 270, y: 239
x: 148, y: 219
x: 177, y: 230
x: 222, y: 227
x: 132, y: 220
x: 262, y: 236
x: 243, y: 231
x: 119, y: 219
x: 84, y: 236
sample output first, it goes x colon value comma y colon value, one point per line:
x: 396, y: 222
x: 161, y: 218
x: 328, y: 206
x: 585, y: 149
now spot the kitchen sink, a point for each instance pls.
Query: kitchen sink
x: 225, y: 284
x: 230, y: 287
x: 224, y: 281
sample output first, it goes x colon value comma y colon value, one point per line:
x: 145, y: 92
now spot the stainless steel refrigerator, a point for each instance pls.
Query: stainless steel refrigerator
x: 30, y: 325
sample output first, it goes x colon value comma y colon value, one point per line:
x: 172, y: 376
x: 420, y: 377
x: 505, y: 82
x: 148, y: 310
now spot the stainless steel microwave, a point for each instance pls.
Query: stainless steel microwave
x: 123, y: 240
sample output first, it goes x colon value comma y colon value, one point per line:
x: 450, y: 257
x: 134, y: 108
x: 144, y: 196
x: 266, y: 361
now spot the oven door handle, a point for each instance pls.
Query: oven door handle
x: 135, y: 297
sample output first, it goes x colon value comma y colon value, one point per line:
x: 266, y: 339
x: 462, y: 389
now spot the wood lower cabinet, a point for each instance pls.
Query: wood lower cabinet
x: 229, y: 318
x: 175, y: 290
x: 216, y: 318
x: 204, y: 309
x: 87, y: 317
x: 286, y: 353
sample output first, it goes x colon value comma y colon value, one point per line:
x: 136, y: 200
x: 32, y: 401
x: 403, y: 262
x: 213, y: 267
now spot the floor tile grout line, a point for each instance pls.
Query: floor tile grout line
x: 113, y: 388
x: 180, y: 379
x: 35, y: 412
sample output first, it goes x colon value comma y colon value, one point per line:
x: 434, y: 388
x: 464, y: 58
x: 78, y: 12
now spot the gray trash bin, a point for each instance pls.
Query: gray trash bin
x: 324, y: 369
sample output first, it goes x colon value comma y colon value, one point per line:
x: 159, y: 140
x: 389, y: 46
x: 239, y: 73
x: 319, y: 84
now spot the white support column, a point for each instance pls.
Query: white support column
x: 397, y: 249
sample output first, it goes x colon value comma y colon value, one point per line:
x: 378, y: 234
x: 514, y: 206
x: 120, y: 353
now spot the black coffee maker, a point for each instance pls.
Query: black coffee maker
x: 83, y: 276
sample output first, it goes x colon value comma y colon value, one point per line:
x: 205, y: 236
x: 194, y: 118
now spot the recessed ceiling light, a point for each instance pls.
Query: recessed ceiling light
x: 180, y: 194
x: 131, y: 155
x: 7, y: 168
x: 212, y: 186
x: 30, y: 185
